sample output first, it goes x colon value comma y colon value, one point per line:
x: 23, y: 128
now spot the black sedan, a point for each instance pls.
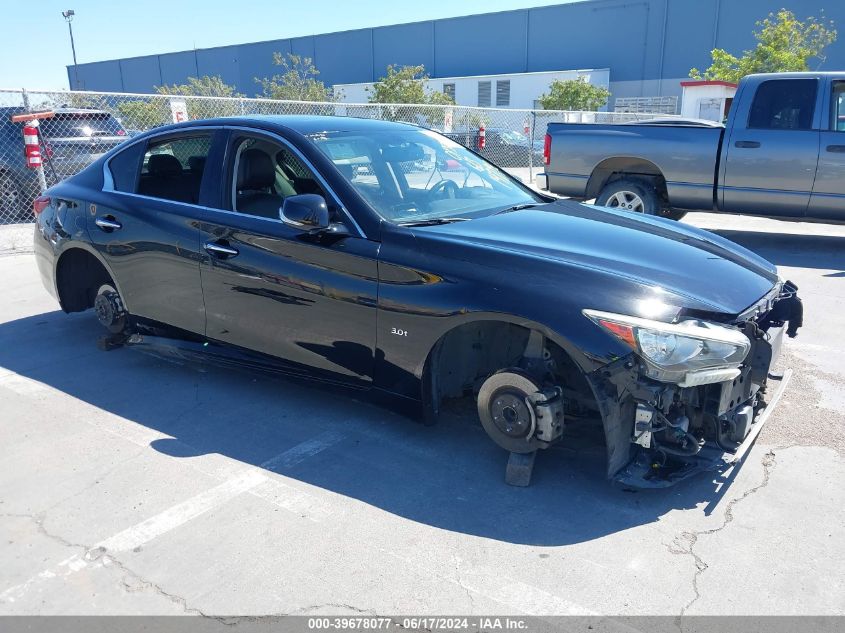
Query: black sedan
x: 389, y: 258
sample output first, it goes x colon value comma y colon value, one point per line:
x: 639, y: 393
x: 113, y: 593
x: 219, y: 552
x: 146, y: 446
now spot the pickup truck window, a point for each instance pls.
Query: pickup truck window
x: 784, y: 104
x: 838, y: 107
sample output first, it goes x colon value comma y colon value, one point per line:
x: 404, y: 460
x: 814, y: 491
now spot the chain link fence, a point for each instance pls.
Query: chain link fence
x: 85, y: 125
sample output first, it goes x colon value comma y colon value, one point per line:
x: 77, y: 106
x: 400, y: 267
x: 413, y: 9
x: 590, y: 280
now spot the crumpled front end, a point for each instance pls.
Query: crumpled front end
x: 662, y: 427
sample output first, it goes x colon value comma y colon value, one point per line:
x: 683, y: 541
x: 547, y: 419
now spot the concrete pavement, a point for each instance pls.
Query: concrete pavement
x: 133, y: 485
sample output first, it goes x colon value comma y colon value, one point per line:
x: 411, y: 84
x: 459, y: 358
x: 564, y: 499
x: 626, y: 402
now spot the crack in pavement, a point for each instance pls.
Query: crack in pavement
x: 39, y: 519
x: 336, y: 605
x: 684, y: 544
x: 100, y: 558
x: 133, y: 582
x: 460, y: 583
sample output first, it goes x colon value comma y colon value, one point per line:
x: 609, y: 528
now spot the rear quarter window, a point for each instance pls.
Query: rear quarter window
x: 125, y: 167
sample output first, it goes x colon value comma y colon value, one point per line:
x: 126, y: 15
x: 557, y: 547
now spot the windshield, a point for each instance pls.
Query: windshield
x: 81, y: 124
x: 512, y: 136
x: 414, y: 175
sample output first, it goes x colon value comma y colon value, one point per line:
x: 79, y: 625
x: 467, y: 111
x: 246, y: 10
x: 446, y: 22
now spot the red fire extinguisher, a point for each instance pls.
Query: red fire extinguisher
x: 31, y: 147
x: 482, y: 139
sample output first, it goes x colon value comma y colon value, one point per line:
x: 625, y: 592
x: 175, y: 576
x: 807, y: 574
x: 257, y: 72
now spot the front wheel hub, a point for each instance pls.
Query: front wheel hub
x: 510, y: 413
x: 506, y: 412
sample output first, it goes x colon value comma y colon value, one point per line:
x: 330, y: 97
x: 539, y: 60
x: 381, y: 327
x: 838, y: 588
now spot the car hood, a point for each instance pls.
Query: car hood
x: 705, y: 271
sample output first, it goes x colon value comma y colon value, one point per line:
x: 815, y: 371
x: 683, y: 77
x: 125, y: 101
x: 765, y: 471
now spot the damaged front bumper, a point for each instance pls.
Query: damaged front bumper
x: 659, y: 433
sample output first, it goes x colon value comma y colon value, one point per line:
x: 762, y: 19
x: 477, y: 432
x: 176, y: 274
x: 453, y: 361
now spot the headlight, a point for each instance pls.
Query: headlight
x: 673, y: 351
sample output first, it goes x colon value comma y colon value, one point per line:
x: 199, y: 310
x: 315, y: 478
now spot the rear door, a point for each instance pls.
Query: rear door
x: 147, y: 233
x: 828, y: 199
x: 773, y: 149
x: 272, y: 288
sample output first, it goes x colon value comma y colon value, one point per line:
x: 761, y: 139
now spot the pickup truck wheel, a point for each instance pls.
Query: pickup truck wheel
x: 630, y: 195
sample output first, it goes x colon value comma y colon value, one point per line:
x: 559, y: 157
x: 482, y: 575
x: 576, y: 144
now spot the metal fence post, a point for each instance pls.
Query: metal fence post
x: 39, y: 171
x: 531, y: 146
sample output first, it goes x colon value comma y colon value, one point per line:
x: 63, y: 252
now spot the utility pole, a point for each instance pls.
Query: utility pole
x: 68, y: 16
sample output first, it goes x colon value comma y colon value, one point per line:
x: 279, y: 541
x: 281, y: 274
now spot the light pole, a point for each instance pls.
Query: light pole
x: 68, y: 16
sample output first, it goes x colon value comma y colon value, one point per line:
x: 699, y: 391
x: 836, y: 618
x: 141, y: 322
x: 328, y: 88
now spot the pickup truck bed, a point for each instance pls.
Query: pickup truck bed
x: 688, y: 157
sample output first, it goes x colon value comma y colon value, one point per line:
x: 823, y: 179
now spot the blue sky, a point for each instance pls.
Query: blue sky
x: 35, y: 47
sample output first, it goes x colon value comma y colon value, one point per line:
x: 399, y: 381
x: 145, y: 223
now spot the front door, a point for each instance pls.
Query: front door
x: 147, y: 232
x: 773, y: 150
x: 307, y: 299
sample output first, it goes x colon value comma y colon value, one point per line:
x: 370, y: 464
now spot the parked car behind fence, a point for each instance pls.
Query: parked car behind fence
x: 70, y: 140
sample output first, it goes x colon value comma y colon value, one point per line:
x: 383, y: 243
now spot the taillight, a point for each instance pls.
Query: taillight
x: 39, y: 204
x: 547, y: 149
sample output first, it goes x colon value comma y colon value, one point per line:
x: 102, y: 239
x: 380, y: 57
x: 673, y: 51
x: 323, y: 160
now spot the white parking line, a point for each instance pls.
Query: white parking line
x: 303, y: 451
x: 214, y: 465
x: 181, y: 513
x: 250, y: 480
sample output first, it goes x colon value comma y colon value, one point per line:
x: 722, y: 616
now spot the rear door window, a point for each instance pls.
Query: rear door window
x: 784, y: 104
x: 172, y: 169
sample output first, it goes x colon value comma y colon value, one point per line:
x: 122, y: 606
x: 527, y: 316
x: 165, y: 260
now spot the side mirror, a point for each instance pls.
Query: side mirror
x: 305, y: 211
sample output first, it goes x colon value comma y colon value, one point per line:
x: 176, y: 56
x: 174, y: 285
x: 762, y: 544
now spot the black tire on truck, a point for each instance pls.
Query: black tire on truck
x: 637, y: 196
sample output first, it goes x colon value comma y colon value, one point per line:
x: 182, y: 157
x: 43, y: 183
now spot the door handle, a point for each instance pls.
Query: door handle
x: 836, y: 149
x: 108, y: 224
x: 747, y: 144
x: 220, y: 250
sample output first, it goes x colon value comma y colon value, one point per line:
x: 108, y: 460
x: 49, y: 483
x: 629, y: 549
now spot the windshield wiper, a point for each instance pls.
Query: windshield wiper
x: 519, y: 207
x: 432, y: 221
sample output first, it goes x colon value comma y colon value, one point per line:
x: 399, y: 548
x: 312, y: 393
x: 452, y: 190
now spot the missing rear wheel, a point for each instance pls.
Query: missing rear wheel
x: 109, y: 309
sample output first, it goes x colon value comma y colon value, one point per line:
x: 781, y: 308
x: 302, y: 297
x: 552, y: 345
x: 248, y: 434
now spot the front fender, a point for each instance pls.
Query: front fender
x: 418, y: 307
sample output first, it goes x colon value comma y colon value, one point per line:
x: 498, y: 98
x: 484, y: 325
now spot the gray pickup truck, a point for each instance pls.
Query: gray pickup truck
x: 781, y: 154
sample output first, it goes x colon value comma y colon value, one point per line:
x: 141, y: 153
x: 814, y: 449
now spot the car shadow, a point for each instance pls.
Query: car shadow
x: 790, y: 249
x: 449, y: 476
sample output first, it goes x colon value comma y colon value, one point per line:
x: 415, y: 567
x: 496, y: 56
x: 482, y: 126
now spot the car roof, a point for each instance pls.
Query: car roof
x: 304, y: 124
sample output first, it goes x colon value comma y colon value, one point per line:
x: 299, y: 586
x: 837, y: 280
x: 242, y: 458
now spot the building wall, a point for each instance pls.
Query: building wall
x: 524, y: 87
x: 648, y: 45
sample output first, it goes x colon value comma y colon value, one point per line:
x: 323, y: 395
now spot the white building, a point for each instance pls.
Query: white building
x: 709, y: 100
x: 518, y: 90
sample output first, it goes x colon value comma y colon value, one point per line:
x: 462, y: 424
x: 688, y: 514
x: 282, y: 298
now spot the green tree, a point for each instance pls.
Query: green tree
x: 402, y: 84
x: 143, y: 115
x: 784, y: 43
x: 407, y: 85
x: 574, y: 94
x: 205, y: 86
x: 297, y: 81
